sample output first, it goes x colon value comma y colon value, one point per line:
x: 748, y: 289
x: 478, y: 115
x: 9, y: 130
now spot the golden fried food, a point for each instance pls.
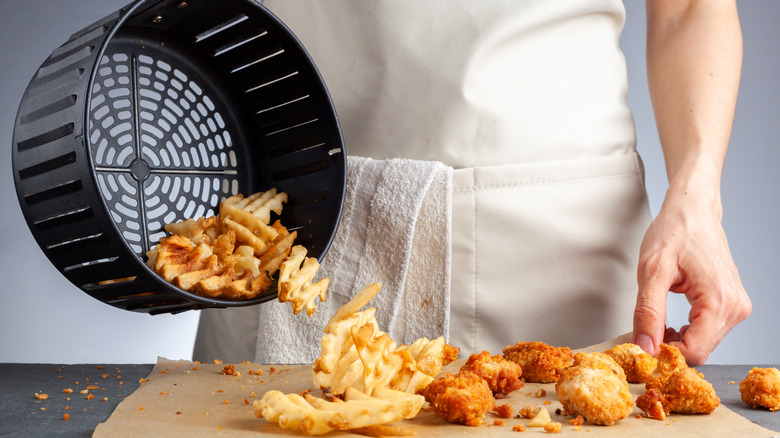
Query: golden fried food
x: 422, y: 361
x: 592, y: 359
x: 674, y: 387
x: 316, y: 416
x: 463, y: 398
x: 636, y: 363
x: 356, y: 353
x: 540, y: 362
x: 501, y: 375
x: 761, y: 388
x: 236, y: 254
x: 669, y: 359
x: 652, y: 404
x: 295, y: 281
x: 595, y: 389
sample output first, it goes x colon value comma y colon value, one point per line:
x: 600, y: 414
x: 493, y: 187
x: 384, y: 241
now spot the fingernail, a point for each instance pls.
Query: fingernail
x: 645, y: 342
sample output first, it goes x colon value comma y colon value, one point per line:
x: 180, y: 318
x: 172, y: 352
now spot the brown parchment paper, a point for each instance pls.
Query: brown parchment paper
x: 182, y: 398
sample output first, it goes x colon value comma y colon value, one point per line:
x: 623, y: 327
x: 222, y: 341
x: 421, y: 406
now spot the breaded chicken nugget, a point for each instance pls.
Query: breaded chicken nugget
x: 591, y: 359
x: 463, y: 398
x: 501, y: 375
x: 595, y: 390
x: 637, y: 364
x: 541, y: 363
x: 761, y: 387
x: 669, y: 359
x: 674, y: 387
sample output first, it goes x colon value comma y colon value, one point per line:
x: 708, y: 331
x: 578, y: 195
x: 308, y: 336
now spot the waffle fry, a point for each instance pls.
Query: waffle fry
x: 236, y: 254
x: 355, y: 353
x: 316, y: 416
x: 295, y: 281
x: 197, y: 230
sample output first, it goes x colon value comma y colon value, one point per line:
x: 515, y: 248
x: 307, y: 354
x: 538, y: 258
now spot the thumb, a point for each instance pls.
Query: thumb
x: 650, y: 314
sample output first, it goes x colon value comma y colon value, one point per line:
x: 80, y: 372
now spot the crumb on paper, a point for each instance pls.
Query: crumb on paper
x: 518, y: 428
x: 41, y: 396
x: 552, y: 427
x: 529, y: 411
x: 504, y: 410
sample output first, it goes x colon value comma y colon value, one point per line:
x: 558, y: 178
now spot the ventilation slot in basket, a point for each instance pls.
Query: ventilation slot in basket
x: 54, y: 107
x: 67, y: 218
x: 54, y: 192
x: 47, y: 137
x: 47, y: 166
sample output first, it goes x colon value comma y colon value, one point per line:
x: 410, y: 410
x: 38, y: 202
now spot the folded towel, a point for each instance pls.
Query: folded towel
x: 395, y: 229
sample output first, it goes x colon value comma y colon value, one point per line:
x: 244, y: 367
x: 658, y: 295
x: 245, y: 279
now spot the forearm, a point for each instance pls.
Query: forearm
x: 694, y: 58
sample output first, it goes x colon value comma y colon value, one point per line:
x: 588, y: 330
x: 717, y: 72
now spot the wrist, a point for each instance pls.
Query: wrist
x: 694, y: 183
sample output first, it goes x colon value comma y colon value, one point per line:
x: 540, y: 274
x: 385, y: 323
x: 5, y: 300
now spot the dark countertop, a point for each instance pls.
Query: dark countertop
x: 23, y: 415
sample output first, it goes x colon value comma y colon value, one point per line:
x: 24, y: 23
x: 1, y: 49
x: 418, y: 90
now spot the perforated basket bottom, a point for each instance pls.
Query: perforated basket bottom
x: 163, y: 142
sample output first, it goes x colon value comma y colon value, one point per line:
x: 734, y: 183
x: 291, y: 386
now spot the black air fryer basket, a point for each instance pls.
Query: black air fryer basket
x: 155, y: 114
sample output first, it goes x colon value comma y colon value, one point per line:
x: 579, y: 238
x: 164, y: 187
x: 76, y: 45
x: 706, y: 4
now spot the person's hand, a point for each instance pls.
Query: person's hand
x: 685, y: 251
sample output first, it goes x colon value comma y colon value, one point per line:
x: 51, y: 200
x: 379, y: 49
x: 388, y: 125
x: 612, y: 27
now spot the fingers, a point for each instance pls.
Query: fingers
x: 650, y: 313
x: 711, y: 318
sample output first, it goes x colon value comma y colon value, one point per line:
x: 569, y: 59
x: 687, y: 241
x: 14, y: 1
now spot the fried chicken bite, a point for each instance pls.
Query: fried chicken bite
x: 540, y: 362
x: 674, y: 387
x: 501, y: 375
x: 636, y: 363
x: 761, y: 387
x: 596, y: 388
x: 463, y: 398
x: 593, y: 359
x: 669, y: 359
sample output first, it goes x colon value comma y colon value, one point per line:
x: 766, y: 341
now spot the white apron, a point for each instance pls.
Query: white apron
x: 526, y: 101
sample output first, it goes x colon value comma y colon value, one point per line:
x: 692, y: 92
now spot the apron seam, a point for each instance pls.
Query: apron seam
x: 475, y: 285
x: 543, y: 182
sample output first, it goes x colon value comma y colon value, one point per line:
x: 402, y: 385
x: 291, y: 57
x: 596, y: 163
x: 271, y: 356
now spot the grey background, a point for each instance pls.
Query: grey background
x: 44, y: 318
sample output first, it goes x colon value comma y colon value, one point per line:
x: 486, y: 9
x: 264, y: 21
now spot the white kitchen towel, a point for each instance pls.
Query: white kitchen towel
x: 395, y: 229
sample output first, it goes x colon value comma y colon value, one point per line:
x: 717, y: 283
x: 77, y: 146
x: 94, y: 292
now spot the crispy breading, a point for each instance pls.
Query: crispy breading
x: 501, y: 375
x: 595, y: 390
x: 540, y: 362
x: 636, y: 363
x: 669, y: 359
x: 761, y: 388
x: 676, y: 388
x: 463, y: 398
x: 591, y: 359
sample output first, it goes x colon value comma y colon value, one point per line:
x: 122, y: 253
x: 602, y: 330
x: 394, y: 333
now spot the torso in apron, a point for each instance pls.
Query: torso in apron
x: 526, y: 100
